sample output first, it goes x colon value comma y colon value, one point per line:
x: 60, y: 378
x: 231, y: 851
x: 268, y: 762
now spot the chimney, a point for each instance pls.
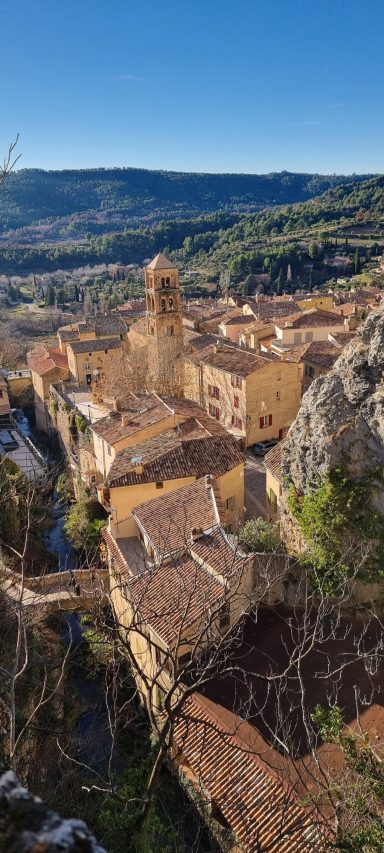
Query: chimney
x: 208, y: 481
x: 116, y: 404
x: 196, y: 534
x: 125, y: 420
x: 139, y: 469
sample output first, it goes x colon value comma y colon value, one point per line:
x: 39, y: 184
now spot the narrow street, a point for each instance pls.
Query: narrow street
x: 254, y: 486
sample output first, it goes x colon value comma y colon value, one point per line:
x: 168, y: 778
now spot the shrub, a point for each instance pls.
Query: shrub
x: 258, y: 535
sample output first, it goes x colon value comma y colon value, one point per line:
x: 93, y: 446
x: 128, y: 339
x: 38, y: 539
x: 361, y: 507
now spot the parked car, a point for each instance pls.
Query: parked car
x: 262, y: 447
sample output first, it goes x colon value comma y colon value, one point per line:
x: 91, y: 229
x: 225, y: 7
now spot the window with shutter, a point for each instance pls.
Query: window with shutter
x: 236, y: 402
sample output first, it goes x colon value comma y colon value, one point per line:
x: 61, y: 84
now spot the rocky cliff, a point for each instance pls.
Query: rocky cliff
x: 341, y: 419
x: 28, y: 826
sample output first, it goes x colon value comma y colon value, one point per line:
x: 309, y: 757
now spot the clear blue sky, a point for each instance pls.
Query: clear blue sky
x: 195, y: 85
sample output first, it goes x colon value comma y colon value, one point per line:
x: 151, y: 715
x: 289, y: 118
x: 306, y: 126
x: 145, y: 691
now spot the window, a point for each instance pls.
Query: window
x: 230, y: 503
x: 159, y: 485
x: 237, y: 422
x: 87, y: 365
x: 163, y: 282
x: 278, y: 395
x: 265, y: 421
x: 309, y: 337
x: 236, y: 382
x: 170, y: 303
x: 214, y: 391
x: 168, y: 281
x: 90, y: 354
x: 159, y: 656
x: 171, y: 331
x: 163, y: 304
x: 105, y: 352
x: 297, y: 338
x: 214, y: 411
x: 236, y: 402
x: 93, y: 478
x: 109, y: 450
x: 309, y: 371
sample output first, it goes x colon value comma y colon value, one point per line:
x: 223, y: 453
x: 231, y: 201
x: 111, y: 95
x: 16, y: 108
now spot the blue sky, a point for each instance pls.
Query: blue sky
x: 194, y: 85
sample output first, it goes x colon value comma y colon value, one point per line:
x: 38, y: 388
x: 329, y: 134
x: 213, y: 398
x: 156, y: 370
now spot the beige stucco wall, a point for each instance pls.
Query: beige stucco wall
x: 272, y: 390
x: 321, y: 302
x: 125, y: 498
x: 105, y: 453
x: 289, y: 336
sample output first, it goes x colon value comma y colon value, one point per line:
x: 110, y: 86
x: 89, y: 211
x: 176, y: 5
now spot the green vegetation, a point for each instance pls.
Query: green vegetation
x: 361, y: 801
x: 84, y: 521
x: 99, y: 200
x: 258, y: 535
x: 340, y: 527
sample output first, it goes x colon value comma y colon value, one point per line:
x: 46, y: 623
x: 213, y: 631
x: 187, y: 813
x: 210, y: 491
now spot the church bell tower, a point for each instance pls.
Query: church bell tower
x: 164, y: 325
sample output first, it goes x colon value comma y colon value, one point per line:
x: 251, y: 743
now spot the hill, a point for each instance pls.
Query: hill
x: 40, y: 205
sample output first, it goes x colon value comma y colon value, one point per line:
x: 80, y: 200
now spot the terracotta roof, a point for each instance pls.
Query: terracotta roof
x: 343, y: 338
x: 242, y: 320
x: 309, y: 319
x: 172, y: 597
x: 236, y: 360
x: 323, y: 353
x: 273, y: 460
x: 43, y: 359
x: 95, y: 345
x: 261, y: 811
x: 190, y: 409
x: 187, y: 451
x: 160, y: 262
x: 269, y: 310
x: 168, y: 520
x: 140, y: 413
x: 215, y: 551
x: 68, y: 334
x: 129, y: 556
x: 103, y: 324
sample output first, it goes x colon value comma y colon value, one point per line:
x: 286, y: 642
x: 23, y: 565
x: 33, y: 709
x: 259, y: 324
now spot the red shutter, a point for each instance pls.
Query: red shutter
x: 261, y: 423
x: 270, y: 420
x: 236, y: 402
x: 217, y: 393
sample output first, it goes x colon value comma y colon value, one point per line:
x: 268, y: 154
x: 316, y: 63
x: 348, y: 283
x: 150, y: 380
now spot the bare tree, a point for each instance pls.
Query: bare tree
x: 9, y: 161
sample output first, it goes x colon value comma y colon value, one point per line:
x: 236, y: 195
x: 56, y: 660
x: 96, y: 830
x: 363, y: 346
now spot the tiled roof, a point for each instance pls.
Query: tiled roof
x: 343, y: 338
x: 269, y: 310
x: 242, y: 320
x: 129, y: 556
x: 215, y: 551
x: 174, y: 455
x: 68, y: 334
x: 160, y: 262
x: 103, y: 324
x: 95, y: 345
x: 43, y: 359
x: 168, y: 520
x: 273, y: 460
x: 140, y: 413
x: 234, y: 360
x: 309, y: 319
x: 323, y: 353
x: 172, y: 597
x: 261, y: 811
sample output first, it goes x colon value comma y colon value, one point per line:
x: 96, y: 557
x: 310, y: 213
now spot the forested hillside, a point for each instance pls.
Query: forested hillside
x: 60, y: 205
x: 262, y: 241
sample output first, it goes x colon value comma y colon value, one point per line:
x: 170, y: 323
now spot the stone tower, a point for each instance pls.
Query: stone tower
x: 164, y: 326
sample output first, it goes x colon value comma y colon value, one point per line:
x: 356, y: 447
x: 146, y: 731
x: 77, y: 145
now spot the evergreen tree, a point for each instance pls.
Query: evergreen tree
x: 280, y: 282
x: 357, y: 262
x: 49, y: 296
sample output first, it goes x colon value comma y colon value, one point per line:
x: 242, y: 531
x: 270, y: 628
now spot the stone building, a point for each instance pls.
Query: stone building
x: 164, y: 325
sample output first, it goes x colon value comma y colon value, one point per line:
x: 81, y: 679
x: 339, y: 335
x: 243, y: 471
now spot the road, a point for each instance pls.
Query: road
x: 254, y: 486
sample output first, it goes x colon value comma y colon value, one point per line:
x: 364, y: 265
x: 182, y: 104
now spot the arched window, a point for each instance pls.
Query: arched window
x: 171, y: 330
x: 170, y: 302
x: 163, y: 282
x: 163, y: 305
x: 167, y: 281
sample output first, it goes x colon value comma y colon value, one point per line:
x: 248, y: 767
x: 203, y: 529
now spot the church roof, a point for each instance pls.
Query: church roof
x: 160, y: 262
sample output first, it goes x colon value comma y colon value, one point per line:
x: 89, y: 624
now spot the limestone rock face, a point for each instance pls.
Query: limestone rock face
x: 341, y: 419
x: 28, y: 826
